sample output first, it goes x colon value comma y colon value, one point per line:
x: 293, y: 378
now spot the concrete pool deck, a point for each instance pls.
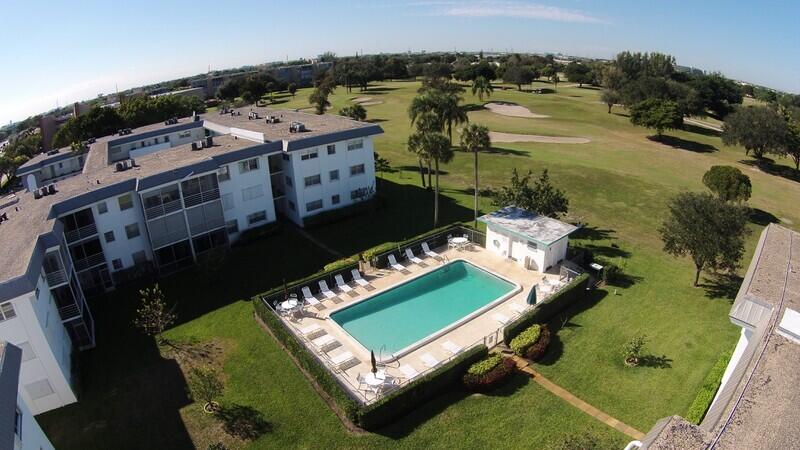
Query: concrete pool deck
x: 483, y: 328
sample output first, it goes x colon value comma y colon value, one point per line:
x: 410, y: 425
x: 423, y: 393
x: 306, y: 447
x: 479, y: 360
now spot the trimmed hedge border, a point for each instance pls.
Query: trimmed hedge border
x: 308, y: 361
x: 419, y: 391
x: 697, y: 411
x: 547, y: 309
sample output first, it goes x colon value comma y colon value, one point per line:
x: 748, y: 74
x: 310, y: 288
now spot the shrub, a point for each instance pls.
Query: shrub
x: 488, y: 373
x: 253, y: 234
x: 548, y: 308
x: 342, y: 263
x: 243, y: 422
x: 632, y: 350
x: 708, y: 390
x: 524, y: 340
x: 537, y: 350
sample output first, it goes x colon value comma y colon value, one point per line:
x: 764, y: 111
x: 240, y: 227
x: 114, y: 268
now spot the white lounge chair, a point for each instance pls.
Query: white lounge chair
x: 517, y: 308
x: 309, y: 297
x: 411, y: 257
x: 452, y: 347
x: 429, y: 360
x: 342, y: 285
x: 427, y: 250
x: 409, y: 372
x: 323, y: 287
x: 395, y: 265
x: 312, y: 331
x: 502, y: 318
x: 326, y: 343
x: 357, y: 278
x: 344, y: 359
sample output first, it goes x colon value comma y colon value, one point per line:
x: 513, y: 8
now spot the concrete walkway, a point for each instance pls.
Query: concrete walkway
x: 565, y: 395
x: 316, y: 241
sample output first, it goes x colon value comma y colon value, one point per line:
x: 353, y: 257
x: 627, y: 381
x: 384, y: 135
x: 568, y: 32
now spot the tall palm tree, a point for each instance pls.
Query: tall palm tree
x: 429, y: 143
x: 444, y: 104
x: 482, y: 87
x: 475, y: 138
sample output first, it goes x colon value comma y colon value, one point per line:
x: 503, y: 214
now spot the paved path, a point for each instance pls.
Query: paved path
x: 316, y: 241
x: 565, y: 395
x: 702, y: 124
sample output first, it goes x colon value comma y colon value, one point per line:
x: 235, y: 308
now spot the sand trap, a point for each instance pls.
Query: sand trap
x: 374, y: 102
x: 512, y: 110
x: 511, y: 137
x: 361, y: 99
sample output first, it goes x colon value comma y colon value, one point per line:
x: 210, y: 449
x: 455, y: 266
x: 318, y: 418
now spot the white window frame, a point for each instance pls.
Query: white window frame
x: 317, y: 177
x: 355, y: 144
x: 248, y: 165
x: 314, y: 203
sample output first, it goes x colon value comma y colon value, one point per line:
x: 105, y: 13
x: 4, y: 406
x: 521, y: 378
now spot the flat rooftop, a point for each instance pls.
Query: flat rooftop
x: 528, y: 224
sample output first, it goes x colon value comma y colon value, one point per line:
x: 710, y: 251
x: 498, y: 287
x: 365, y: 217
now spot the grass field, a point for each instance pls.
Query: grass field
x: 618, y: 184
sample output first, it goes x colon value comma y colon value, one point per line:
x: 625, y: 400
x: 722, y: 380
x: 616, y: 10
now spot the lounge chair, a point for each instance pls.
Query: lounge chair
x: 323, y: 287
x: 342, y: 285
x: 312, y: 331
x: 452, y: 347
x: 429, y: 360
x: 502, y: 318
x: 409, y: 372
x: 326, y: 343
x: 517, y: 308
x: 344, y: 361
x: 411, y: 257
x: 357, y: 278
x: 395, y: 265
x: 427, y: 250
x: 309, y: 297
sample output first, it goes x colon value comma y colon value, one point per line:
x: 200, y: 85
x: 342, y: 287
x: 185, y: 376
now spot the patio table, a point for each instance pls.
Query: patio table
x: 459, y: 242
x: 289, y: 305
x: 375, y: 379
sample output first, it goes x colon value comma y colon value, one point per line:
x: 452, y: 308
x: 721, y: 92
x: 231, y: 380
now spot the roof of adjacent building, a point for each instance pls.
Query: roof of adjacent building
x: 758, y: 407
x: 30, y: 218
x: 10, y: 360
x: 529, y: 225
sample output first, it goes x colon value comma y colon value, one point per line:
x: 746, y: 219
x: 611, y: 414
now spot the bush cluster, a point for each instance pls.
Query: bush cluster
x: 488, y: 373
x: 536, y: 351
x: 526, y: 339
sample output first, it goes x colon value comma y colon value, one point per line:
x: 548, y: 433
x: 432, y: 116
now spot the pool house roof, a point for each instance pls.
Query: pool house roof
x: 528, y: 224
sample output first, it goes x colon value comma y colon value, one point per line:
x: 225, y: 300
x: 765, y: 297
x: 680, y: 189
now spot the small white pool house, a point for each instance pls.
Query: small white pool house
x: 534, y: 241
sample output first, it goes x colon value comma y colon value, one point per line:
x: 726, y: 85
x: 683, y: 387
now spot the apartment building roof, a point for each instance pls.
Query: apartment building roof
x: 757, y: 408
x: 31, y: 219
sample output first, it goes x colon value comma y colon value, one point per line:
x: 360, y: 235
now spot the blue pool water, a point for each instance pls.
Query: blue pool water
x: 407, y: 313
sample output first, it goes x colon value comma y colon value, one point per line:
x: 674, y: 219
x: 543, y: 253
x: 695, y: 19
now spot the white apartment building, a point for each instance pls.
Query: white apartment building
x: 156, y: 198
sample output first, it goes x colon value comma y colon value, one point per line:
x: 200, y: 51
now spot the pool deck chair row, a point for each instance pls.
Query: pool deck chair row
x: 427, y: 250
x: 411, y: 257
x: 395, y: 265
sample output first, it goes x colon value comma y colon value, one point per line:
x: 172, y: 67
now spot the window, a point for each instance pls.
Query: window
x: 252, y: 192
x: 102, y: 208
x: 132, y: 230
x: 256, y: 217
x: 125, y: 202
x: 331, y: 149
x: 212, y: 240
x: 334, y: 175
x: 227, y: 201
x: 139, y: 258
x: 18, y: 423
x: 356, y: 170
x: 109, y: 235
x: 289, y: 181
x: 7, y: 311
x: 313, y: 180
x: 532, y: 245
x: 232, y: 226
x: 359, y: 194
x: 286, y: 157
x: 313, y: 206
x: 311, y: 154
x: 27, y: 351
x: 335, y: 199
x: 291, y: 205
x: 184, y: 134
x: 248, y: 165
x: 117, y: 263
x: 355, y: 144
x: 223, y: 174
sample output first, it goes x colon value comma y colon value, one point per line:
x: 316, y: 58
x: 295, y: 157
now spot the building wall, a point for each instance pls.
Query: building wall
x: 240, y: 195
x: 115, y: 221
x: 537, y: 256
x: 32, y: 436
x: 45, y: 374
x: 120, y: 152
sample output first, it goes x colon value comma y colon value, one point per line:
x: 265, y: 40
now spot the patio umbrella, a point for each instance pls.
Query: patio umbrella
x: 372, y: 359
x: 285, y: 290
x: 532, y: 296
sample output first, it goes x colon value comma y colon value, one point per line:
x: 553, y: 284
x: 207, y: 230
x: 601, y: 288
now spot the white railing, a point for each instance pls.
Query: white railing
x: 56, y: 277
x: 162, y: 209
x: 69, y: 312
x: 90, y: 261
x: 200, y: 197
x: 81, y: 233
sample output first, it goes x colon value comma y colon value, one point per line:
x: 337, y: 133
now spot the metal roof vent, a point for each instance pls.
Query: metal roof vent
x: 297, y: 127
x: 789, y: 327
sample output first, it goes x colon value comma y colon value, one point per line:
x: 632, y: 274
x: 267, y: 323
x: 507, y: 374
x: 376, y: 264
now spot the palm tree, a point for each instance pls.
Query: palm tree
x: 481, y: 86
x: 444, y: 104
x: 430, y: 144
x: 475, y: 138
x: 555, y: 79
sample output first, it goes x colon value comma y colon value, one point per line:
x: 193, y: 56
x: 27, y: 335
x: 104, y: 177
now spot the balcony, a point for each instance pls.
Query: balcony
x: 200, y: 197
x: 89, y: 262
x: 163, y: 209
x: 161, y: 240
x: 207, y: 225
x: 81, y: 233
x: 69, y: 312
x: 56, y: 278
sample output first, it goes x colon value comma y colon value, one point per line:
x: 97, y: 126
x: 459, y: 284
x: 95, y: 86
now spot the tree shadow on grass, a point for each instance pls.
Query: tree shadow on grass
x: 655, y: 362
x: 768, y: 166
x: 376, y: 120
x: 594, y: 233
x: 470, y: 107
x: 722, y: 286
x: 243, y: 422
x: 406, y: 424
x: 497, y: 151
x: 692, y: 128
x: 761, y: 217
x: 410, y: 168
x: 683, y: 144
x: 563, y: 322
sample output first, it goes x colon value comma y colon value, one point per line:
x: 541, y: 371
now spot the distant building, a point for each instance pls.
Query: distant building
x: 302, y: 74
x: 198, y: 92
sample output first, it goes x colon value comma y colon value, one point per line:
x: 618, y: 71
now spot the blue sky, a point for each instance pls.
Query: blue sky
x: 59, y: 51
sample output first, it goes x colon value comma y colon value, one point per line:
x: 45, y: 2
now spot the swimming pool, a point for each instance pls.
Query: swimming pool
x: 404, y: 317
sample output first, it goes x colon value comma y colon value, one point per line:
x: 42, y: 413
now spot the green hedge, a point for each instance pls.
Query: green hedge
x: 310, y: 363
x: 419, y: 391
x: 338, y: 214
x: 708, y: 390
x: 371, y: 253
x: 260, y: 232
x: 527, y: 338
x: 547, y: 309
x: 341, y: 263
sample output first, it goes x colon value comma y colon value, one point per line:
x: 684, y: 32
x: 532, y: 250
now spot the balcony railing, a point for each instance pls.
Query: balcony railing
x: 81, y: 233
x: 56, y: 278
x: 160, y: 240
x: 69, y: 312
x: 200, y: 197
x: 209, y: 224
x: 90, y: 261
x: 162, y: 209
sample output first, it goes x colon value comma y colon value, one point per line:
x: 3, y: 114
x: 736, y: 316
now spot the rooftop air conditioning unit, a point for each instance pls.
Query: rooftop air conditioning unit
x: 120, y: 167
x: 196, y: 147
x: 209, y: 141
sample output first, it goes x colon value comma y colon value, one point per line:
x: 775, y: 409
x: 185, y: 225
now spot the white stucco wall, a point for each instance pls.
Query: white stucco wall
x: 115, y: 220
x: 232, y: 191
x: 32, y: 437
x: 538, y: 256
x: 175, y: 138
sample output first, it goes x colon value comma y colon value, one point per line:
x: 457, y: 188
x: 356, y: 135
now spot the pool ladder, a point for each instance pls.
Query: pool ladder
x: 445, y: 259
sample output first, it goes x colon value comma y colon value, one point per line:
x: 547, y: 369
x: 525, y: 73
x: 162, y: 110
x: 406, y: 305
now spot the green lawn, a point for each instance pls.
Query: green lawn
x: 618, y: 184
